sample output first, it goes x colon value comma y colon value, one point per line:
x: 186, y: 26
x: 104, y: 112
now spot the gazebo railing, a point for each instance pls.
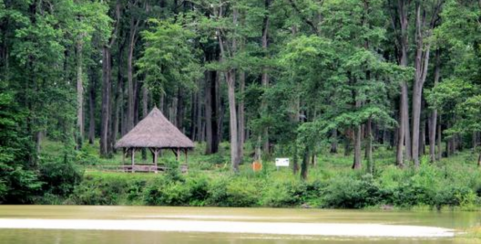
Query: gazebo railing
x: 138, y: 168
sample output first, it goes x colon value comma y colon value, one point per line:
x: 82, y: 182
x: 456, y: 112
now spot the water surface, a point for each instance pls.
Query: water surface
x: 257, y: 219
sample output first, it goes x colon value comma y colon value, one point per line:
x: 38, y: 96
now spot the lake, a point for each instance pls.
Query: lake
x: 132, y: 224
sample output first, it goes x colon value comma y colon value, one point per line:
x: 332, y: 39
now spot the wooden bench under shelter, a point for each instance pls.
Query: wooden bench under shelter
x: 155, y: 133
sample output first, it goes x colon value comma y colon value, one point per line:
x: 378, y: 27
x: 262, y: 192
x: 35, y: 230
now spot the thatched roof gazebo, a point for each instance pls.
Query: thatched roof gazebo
x: 156, y: 133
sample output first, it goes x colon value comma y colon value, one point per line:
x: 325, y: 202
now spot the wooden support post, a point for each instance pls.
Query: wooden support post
x: 133, y: 153
x: 156, y: 151
x: 178, y: 154
x: 123, y: 156
x: 185, y: 152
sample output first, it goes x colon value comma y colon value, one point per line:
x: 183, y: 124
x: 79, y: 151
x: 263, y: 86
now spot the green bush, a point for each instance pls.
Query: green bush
x: 285, y: 194
x: 347, y: 192
x: 434, y: 185
x: 59, y: 177
x: 232, y: 192
x: 166, y: 192
x: 101, y: 190
x: 3, y: 189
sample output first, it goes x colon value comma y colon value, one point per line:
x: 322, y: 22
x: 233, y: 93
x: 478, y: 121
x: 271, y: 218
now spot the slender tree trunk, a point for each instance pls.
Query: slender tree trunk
x: 228, y: 48
x: 119, y: 93
x: 233, y: 122
x: 199, y: 117
x: 241, y: 119
x: 105, y: 144
x: 475, y: 140
x: 145, y: 104
x: 92, y: 107
x: 357, y: 144
x: 357, y: 148
x: 439, y: 138
x: 369, y: 145
x: 180, y: 109
x: 404, y: 126
x: 80, y: 96
x: 117, y: 111
x: 423, y: 135
x: 433, y: 117
x: 130, y: 78
x: 304, y: 164
x: 422, y: 56
x: 334, y: 141
x: 264, y: 76
x: 162, y: 103
x: 106, y: 88
x: 211, y: 113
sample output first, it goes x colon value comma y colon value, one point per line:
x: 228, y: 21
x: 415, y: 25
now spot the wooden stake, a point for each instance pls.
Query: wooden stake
x: 178, y: 154
x: 133, y: 152
x: 155, y: 159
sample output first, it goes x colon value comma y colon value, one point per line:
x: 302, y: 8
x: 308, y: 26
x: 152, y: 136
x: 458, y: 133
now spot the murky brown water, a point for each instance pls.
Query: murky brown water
x: 451, y: 220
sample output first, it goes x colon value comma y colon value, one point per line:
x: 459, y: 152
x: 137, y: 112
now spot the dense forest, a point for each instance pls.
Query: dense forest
x: 295, y: 78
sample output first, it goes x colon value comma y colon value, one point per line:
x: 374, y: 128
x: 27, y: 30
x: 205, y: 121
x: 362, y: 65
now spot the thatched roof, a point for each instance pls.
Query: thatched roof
x: 155, y: 131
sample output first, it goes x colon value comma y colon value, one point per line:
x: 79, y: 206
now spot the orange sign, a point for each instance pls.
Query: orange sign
x: 257, y: 166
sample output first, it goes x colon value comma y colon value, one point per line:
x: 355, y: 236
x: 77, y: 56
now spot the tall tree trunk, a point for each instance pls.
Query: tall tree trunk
x: 117, y: 111
x: 145, y: 105
x: 80, y: 95
x: 92, y: 99
x: 369, y: 145
x: 105, y: 145
x: 180, y: 109
x: 357, y: 149
x: 439, y: 138
x: 357, y: 144
x: 241, y: 119
x: 199, y: 117
x: 130, y: 79
x: 211, y: 113
x: 233, y: 122
x: 106, y: 90
x: 119, y: 93
x: 433, y: 117
x: 334, y: 141
x: 423, y: 135
x: 304, y: 164
x: 264, y: 76
x: 404, y: 126
x: 422, y: 56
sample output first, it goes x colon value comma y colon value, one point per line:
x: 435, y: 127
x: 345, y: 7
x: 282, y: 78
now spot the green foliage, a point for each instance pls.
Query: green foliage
x: 59, y: 178
x: 288, y: 193
x: 169, y: 57
x: 448, y: 183
x: 18, y: 183
x: 232, y: 192
x: 353, y: 192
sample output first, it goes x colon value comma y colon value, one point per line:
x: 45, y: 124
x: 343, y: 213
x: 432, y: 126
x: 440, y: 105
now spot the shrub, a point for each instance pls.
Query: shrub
x: 198, y: 187
x: 192, y: 191
x: 233, y: 192
x: 101, y: 190
x: 347, y: 192
x: 3, y: 189
x: 285, y: 194
x: 59, y: 178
